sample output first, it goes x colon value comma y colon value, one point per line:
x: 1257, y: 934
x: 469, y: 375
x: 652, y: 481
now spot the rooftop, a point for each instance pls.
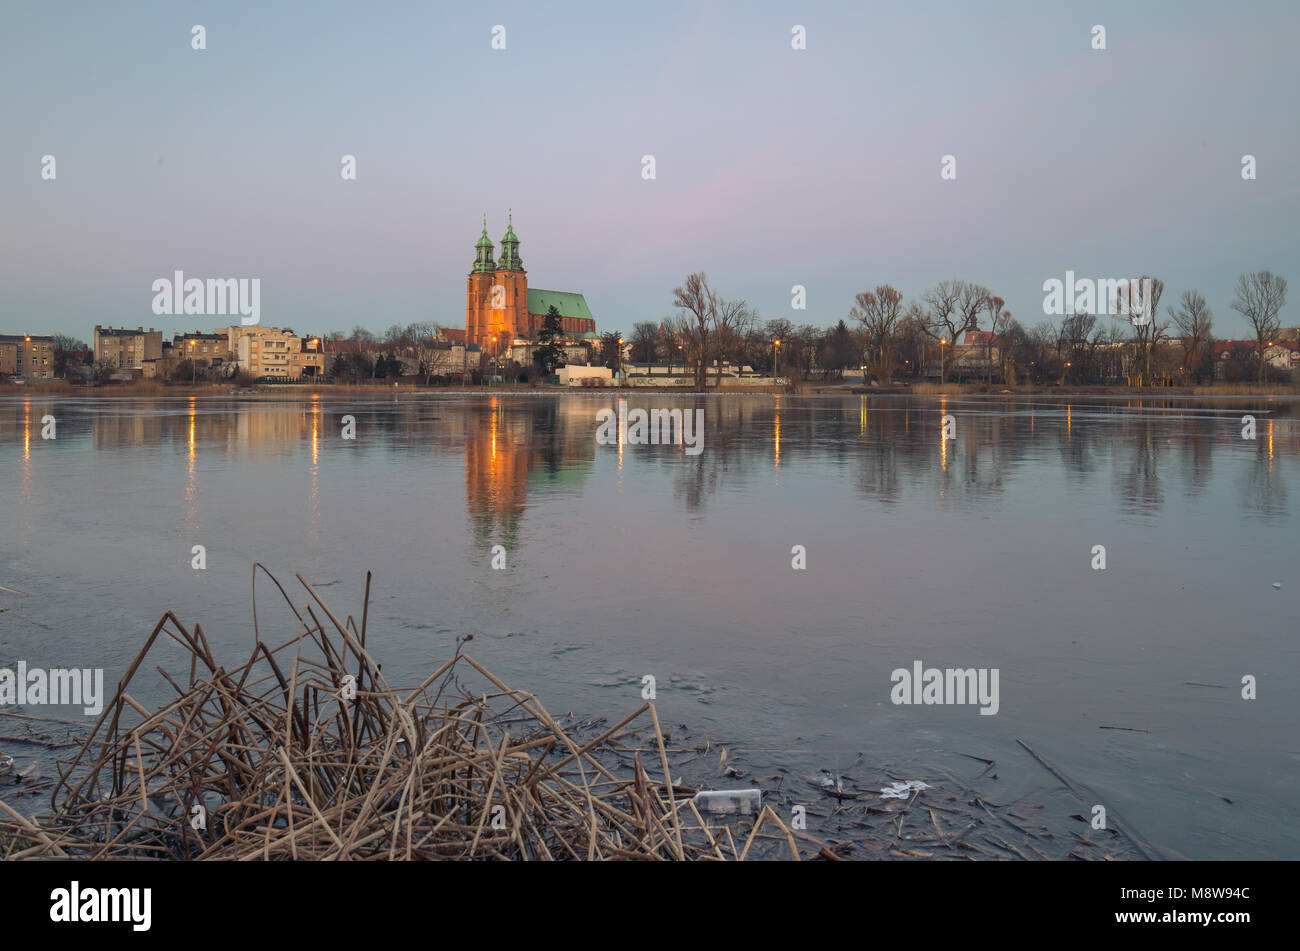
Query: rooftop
x: 567, y: 303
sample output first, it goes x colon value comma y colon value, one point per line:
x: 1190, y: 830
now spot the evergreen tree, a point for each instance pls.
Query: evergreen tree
x: 549, y: 355
x: 612, y: 350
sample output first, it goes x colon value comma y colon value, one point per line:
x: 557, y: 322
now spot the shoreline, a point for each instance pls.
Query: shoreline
x: 299, y: 391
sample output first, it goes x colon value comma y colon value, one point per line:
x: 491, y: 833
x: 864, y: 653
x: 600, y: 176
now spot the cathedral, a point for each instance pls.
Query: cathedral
x: 500, y: 307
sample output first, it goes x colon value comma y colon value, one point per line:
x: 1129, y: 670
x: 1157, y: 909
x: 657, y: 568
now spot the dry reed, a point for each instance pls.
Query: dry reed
x: 305, y: 752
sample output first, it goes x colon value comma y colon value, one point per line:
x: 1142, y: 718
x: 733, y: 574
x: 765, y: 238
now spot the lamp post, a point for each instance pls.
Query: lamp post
x: 943, y: 368
x: 776, y: 358
x: 194, y: 367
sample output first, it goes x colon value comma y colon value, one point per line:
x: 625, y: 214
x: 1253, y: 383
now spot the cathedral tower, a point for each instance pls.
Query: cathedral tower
x: 478, y: 290
x: 496, y: 300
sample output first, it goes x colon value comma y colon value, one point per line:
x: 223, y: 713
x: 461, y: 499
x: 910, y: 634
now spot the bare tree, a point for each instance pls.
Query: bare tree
x: 1040, y: 341
x: 732, y: 322
x: 993, y: 304
x: 1193, y: 320
x: 1260, y: 298
x: 693, y: 325
x: 395, y: 335
x: 778, y: 335
x: 645, y: 342
x: 707, y: 325
x: 1072, y: 343
x: 879, y: 313
x: 66, y: 348
x: 104, y: 369
x: 953, y: 309
x: 911, y: 339
x: 1003, y: 324
x: 1147, y: 332
x: 422, y: 337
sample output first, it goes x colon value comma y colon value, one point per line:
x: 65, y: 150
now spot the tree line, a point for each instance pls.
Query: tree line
x: 893, y: 339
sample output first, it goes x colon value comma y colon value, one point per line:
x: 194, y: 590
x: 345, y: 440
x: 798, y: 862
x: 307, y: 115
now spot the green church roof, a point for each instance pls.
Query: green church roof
x: 569, y: 305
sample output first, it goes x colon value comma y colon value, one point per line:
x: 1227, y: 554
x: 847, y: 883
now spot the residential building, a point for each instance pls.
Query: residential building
x: 125, y: 348
x: 1237, y: 360
x: 205, y: 349
x: 276, y: 352
x: 28, y: 355
x: 443, y: 359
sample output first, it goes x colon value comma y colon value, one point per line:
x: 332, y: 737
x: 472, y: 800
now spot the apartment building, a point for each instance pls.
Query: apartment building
x: 275, y: 352
x: 126, y: 348
x: 207, y: 349
x: 28, y: 355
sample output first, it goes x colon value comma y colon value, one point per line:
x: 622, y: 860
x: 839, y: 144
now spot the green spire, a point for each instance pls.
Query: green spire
x: 510, y: 248
x: 483, y: 253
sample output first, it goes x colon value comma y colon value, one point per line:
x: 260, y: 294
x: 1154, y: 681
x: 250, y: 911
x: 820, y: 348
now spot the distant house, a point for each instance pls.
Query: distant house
x: 1236, y: 359
x: 1283, y: 354
x: 979, y: 351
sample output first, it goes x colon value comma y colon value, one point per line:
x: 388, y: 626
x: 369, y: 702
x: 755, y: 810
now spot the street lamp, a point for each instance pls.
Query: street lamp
x: 194, y: 367
x: 776, y: 358
x: 943, y: 369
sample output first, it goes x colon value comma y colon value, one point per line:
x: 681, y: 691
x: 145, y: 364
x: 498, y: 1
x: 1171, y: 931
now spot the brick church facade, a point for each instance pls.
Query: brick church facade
x: 500, y: 307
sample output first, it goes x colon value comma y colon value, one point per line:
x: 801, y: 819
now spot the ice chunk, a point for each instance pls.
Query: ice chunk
x: 902, y: 790
x: 734, y: 801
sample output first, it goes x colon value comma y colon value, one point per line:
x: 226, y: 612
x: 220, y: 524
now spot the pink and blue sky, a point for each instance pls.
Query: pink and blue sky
x: 775, y: 167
